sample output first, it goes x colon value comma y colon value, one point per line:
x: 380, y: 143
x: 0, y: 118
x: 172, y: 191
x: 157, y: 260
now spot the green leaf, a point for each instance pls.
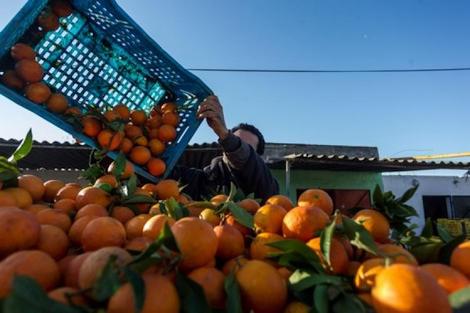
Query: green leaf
x: 132, y: 185
x: 320, y: 299
x: 427, y: 229
x: 120, y: 165
x: 175, y: 209
x: 411, y: 210
x: 325, y: 239
x: 444, y: 234
x: 241, y: 215
x: 460, y: 300
x: 6, y: 165
x: 203, y: 205
x: 8, y: 175
x: 408, y: 194
x: 232, y: 193
x: 378, y: 197
x: 233, y: 303
x: 359, y: 236
x: 446, y: 251
x: 348, y: 303
x: 302, y: 280
x: 108, y: 282
x: 167, y: 239
x: 92, y: 173
x: 106, y: 187
x: 426, y: 250
x: 23, y: 149
x: 28, y: 296
x: 191, y: 295
x: 295, y: 254
x: 138, y: 287
x: 163, y: 209
x: 137, y: 199
x: 150, y: 256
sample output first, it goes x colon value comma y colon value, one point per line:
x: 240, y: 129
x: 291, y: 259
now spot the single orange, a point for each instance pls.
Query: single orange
x: 22, y: 51
x: 103, y: 232
x: 37, y: 92
x: 156, y: 166
x: 407, y: 289
x: 34, y: 264
x: 167, y: 133
x: 138, y: 117
x: 269, y: 218
x: 317, y: 198
x: 230, y: 242
x: 54, y: 241
x: 57, y: 103
x: 375, y: 223
x: 338, y: 257
x: 140, y: 155
x: 196, y: 240
x: 91, y: 126
x: 29, y: 71
x: 12, y: 80
x: 19, y: 230
x: 123, y: 111
x: 303, y: 222
x: 447, y: 277
x: 32, y: 184
x: 459, y: 258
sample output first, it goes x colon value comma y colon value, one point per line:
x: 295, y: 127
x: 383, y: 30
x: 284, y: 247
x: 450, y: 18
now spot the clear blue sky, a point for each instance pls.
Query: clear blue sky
x: 418, y: 112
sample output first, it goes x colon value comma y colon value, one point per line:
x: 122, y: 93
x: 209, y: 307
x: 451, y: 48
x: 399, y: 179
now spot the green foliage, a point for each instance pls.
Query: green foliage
x: 325, y: 239
x: 432, y: 246
x: 460, y: 300
x: 232, y: 289
x: 108, y: 281
x: 23, y: 149
x: 326, y: 293
x: 174, y: 209
x: 138, y: 288
x: 295, y: 254
x: 359, y: 236
x: 191, y: 295
x: 119, y: 165
x: 8, y: 166
x: 240, y: 214
x: 163, y: 250
x: 396, y: 210
x: 28, y: 296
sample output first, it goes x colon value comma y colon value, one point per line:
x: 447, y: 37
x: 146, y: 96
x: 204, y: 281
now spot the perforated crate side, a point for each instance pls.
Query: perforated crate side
x: 100, y: 56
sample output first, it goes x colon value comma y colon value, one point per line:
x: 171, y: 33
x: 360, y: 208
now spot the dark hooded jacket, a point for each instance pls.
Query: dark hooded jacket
x: 239, y: 164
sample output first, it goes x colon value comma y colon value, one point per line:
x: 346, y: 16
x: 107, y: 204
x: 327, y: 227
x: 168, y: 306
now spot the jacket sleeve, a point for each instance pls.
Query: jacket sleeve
x: 248, y: 167
x: 197, y: 183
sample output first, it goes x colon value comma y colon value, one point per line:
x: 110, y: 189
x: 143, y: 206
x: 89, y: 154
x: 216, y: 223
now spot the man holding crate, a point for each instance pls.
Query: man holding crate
x: 241, y: 162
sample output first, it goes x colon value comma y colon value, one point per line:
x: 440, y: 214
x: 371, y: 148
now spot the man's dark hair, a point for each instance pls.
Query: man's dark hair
x: 255, y: 131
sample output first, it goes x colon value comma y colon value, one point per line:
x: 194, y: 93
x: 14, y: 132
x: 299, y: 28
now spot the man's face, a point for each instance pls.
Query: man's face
x: 247, y: 137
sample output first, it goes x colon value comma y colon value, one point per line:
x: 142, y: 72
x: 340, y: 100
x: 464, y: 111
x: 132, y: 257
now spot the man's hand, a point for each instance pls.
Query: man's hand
x: 211, y: 110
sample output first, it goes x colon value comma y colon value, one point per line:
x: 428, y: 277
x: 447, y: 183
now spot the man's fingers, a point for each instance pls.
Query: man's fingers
x: 208, y: 114
x: 208, y: 106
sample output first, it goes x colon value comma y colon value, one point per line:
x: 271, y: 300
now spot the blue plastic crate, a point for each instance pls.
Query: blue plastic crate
x: 100, y: 57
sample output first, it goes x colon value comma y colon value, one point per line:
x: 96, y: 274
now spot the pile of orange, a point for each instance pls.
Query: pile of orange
x: 62, y: 235
x: 69, y: 232
x: 142, y: 138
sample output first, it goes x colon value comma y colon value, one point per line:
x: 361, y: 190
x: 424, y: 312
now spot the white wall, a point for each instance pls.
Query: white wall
x: 428, y: 186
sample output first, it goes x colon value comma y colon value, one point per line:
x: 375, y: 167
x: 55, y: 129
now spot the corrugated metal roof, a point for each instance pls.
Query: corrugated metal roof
x: 342, y: 162
x: 66, y: 155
